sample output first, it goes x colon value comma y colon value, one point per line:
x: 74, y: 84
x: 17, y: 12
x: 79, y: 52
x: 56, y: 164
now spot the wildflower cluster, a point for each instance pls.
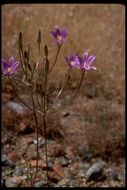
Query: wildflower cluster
x: 60, y: 36
x: 42, y: 104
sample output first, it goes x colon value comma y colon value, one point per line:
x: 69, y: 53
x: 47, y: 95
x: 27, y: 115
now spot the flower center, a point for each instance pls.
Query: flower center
x: 72, y: 62
x: 9, y: 69
x: 59, y: 38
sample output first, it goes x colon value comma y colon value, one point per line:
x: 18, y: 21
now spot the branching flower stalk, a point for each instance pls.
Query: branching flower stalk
x: 30, y: 80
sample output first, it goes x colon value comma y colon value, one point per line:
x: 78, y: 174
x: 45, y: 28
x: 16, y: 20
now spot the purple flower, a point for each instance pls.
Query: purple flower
x: 10, y: 68
x: 86, y: 63
x: 59, y: 35
x: 74, y: 61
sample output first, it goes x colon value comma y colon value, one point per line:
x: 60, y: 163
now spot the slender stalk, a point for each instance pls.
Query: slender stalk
x: 46, y: 155
x: 37, y: 128
x: 61, y: 89
x: 72, y: 98
x: 58, y: 50
x: 44, y: 123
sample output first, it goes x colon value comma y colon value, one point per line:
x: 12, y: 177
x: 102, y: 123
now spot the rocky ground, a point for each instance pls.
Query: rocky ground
x: 68, y: 165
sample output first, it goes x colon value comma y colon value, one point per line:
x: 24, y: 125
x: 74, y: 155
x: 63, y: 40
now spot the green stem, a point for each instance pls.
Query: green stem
x: 36, y: 121
x: 44, y: 123
x: 58, y: 50
x: 46, y: 155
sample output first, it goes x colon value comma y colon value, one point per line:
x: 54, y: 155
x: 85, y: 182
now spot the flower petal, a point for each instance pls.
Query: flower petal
x: 14, y: 67
x: 94, y: 68
x: 58, y: 31
x: 87, y: 67
x: 91, y: 59
x: 11, y: 61
x: 72, y: 57
x: 85, y: 56
x: 64, y: 33
x: 4, y: 64
x: 53, y: 34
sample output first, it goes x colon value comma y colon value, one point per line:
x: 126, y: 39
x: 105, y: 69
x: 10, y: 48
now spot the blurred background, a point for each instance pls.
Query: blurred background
x: 96, y: 119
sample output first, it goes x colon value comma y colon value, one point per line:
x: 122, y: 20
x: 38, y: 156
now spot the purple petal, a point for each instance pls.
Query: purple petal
x: 87, y: 67
x: 80, y: 60
x: 57, y: 31
x: 11, y: 61
x: 85, y: 56
x: 4, y: 64
x: 76, y: 63
x: 91, y: 59
x: 94, y: 68
x: 53, y: 34
x: 14, y: 67
x: 72, y: 57
x: 64, y: 33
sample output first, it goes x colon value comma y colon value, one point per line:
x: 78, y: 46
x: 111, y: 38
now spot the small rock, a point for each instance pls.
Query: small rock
x: 88, y: 156
x: 56, y: 150
x: 64, y: 162
x: 112, y: 175
x: 58, y: 169
x: 95, y: 171
x: 11, y: 183
x: 25, y: 129
x: 16, y: 107
x: 13, y: 156
x: 18, y: 171
x: 7, y: 162
x: 65, y: 114
x: 39, y: 184
x: 41, y: 164
x: 63, y: 183
x: 31, y: 151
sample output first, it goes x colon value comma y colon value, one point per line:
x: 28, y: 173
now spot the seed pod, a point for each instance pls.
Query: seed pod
x: 46, y: 65
x: 39, y: 37
x: 25, y: 55
x: 20, y: 41
x: 29, y: 67
x: 46, y: 51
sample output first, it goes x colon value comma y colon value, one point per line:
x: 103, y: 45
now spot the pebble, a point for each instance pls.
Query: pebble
x: 112, y: 175
x: 64, y: 162
x: 18, y: 108
x: 95, y: 171
x: 18, y: 171
x: 7, y: 162
x: 63, y: 183
x: 65, y: 114
x: 10, y: 183
x: 39, y: 184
